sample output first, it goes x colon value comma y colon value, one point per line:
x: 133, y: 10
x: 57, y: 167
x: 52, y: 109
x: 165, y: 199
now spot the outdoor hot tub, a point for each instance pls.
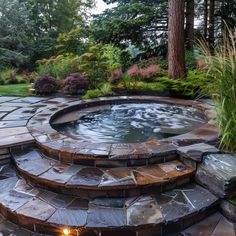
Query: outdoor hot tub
x: 122, y: 130
x: 129, y: 122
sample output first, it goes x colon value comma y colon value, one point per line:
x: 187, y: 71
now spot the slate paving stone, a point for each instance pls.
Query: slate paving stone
x: 37, y: 209
x: 61, y: 201
x: 13, y: 131
x: 144, y: 212
x: 16, y: 117
x: 79, y: 203
x: 106, y: 217
x: 16, y: 140
x: 204, y: 227
x: 7, y: 99
x: 195, y: 152
x: 224, y: 228
x: 199, y: 197
x: 31, y: 99
x: 89, y: 176
x: 14, y: 104
x: 13, y: 199
x: 217, y: 172
x: 108, y: 202
x: 7, y: 184
x: 69, y: 217
x: 23, y: 186
x: 36, y: 167
x: 15, y: 123
x: 58, y: 174
x: 7, y: 109
x: 47, y: 196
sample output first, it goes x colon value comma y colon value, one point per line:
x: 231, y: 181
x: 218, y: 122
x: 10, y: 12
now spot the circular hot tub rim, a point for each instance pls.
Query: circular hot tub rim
x: 65, y: 147
x: 83, y: 110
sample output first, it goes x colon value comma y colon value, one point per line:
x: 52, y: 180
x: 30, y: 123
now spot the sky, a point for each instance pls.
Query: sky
x: 101, y: 6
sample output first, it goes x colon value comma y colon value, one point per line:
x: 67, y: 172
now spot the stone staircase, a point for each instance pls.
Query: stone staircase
x: 47, y: 195
x: 49, y: 182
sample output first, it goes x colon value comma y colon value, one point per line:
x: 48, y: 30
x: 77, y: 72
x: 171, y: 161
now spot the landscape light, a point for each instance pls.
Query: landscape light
x: 66, y: 231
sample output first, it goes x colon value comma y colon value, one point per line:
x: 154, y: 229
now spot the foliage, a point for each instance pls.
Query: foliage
x: 10, y: 76
x: 222, y: 71
x: 59, y: 66
x: 29, y: 76
x: 148, y: 72
x: 71, y: 42
x: 138, y: 23
x: 45, y: 85
x: 14, y: 25
x: 74, y: 82
x: 190, y: 60
x: 135, y: 74
x: 195, y: 84
x: 14, y: 90
x: 105, y: 90
x: 94, y: 65
x: 50, y: 18
x: 113, y: 56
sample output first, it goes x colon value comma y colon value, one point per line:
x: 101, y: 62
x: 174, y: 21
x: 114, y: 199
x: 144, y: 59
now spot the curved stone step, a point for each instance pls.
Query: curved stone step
x: 90, y: 181
x: 69, y: 150
x: 47, y: 212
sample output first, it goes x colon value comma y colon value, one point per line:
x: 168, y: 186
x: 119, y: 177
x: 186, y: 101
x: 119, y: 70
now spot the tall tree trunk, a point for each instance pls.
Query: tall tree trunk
x: 189, y: 28
x: 205, y: 19
x: 176, y: 61
x: 211, y: 32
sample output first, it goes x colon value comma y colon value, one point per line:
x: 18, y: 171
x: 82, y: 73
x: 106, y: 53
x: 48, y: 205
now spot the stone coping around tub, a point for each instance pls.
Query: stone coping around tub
x: 72, y: 150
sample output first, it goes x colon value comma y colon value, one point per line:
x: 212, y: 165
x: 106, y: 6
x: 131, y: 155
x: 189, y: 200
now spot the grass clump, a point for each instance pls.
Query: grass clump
x: 222, y: 71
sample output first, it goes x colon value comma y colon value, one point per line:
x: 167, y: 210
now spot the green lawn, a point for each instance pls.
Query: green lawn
x: 14, y: 90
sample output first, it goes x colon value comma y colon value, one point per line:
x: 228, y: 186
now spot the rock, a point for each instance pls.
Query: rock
x: 217, y: 173
x: 195, y: 152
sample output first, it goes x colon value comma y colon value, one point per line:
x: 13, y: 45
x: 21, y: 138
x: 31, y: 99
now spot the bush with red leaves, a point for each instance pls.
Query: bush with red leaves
x: 45, y: 84
x: 74, y: 82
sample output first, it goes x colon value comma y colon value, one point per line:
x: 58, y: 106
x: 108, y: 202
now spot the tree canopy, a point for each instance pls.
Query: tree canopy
x: 140, y: 23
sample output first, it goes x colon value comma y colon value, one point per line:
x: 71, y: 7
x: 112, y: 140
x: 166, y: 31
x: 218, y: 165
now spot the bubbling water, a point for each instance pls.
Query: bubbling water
x: 133, y: 123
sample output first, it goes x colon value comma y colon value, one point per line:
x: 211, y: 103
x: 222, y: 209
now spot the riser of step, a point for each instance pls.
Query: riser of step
x: 87, y: 192
x: 48, y: 212
x: 100, y: 182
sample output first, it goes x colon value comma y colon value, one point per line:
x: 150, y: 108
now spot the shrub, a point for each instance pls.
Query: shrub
x: 29, y: 76
x: 59, y: 67
x: 148, y: 72
x: 116, y: 76
x: 12, y: 78
x: 105, y: 90
x: 134, y: 71
x: 94, y: 64
x: 74, y: 82
x: 45, y: 84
